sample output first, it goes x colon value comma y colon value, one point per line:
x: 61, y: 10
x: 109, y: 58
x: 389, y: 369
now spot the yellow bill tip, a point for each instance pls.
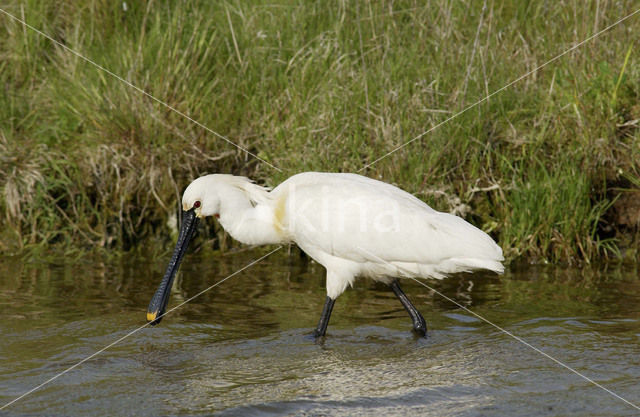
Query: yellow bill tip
x: 151, y: 316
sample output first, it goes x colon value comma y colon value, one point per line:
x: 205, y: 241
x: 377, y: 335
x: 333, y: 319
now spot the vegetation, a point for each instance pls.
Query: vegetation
x: 549, y: 166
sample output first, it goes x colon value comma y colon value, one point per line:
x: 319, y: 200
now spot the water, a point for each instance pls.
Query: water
x: 243, y: 348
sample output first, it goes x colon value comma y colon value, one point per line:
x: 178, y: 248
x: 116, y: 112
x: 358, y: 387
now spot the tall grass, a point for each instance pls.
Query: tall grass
x: 89, y: 162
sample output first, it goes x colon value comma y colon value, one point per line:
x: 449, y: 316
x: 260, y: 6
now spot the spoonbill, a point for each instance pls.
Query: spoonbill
x: 352, y: 225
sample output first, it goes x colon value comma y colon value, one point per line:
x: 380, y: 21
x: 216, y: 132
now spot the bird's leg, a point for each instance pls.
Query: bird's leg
x: 419, y: 325
x: 324, y: 318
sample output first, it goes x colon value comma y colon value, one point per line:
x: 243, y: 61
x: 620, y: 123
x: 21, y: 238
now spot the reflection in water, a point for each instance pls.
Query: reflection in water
x: 243, y: 348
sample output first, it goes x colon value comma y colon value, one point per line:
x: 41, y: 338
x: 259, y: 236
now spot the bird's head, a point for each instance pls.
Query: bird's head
x: 203, y: 195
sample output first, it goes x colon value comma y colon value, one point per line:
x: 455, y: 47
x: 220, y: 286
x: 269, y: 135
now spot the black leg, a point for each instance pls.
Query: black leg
x: 419, y: 325
x: 324, y: 318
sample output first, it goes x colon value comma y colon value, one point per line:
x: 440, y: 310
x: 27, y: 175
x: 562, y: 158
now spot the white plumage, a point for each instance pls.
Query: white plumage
x: 352, y: 225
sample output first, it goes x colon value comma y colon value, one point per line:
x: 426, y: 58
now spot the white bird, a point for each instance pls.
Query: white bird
x: 352, y: 225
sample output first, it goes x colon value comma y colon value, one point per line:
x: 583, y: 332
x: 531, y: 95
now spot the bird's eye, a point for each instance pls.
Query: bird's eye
x: 196, y: 204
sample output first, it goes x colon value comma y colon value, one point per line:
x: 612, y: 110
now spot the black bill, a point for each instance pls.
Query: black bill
x: 160, y: 299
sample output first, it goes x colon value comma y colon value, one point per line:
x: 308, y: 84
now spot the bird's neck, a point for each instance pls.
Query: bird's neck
x: 248, y: 223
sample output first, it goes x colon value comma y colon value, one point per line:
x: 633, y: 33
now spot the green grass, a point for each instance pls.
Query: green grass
x: 87, y: 162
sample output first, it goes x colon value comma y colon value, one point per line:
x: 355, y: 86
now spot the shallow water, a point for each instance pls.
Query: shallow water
x: 243, y: 348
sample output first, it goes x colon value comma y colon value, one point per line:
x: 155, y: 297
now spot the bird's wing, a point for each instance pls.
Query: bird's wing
x: 364, y: 220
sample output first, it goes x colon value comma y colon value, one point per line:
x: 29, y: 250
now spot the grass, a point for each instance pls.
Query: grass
x: 89, y: 163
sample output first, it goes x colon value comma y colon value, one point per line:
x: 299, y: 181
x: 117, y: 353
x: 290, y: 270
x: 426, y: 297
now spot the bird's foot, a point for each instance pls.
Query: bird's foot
x: 317, y: 334
x: 316, y: 337
x: 420, y: 328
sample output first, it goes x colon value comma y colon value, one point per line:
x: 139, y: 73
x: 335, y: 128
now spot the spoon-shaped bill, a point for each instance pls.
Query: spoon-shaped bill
x: 160, y: 299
